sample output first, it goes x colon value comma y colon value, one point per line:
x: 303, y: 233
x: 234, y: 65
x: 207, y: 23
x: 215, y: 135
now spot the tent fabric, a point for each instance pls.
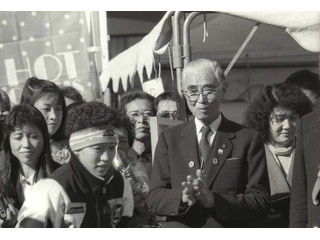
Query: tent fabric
x: 304, y: 27
x: 135, y: 59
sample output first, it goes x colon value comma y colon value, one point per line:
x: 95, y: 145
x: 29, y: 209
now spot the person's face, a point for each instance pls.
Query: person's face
x: 168, y: 109
x: 98, y: 158
x: 283, y: 124
x: 51, y: 111
x: 203, y: 81
x: 139, y: 111
x: 27, y: 144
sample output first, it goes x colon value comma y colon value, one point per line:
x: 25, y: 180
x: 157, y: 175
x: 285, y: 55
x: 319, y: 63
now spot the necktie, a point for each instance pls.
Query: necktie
x: 204, y: 144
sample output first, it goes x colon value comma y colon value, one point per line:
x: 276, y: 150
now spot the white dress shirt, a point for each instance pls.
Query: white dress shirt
x: 214, y: 127
x: 26, y: 184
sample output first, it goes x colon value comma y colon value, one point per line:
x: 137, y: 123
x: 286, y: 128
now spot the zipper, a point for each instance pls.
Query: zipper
x: 97, y: 208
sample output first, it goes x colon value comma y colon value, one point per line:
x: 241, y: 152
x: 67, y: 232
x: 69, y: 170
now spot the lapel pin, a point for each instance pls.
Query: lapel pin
x: 215, y: 161
x: 220, y: 151
x: 191, y: 164
x: 224, y: 146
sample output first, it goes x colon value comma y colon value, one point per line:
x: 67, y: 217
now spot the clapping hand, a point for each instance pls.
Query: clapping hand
x: 202, y: 191
x: 188, y: 195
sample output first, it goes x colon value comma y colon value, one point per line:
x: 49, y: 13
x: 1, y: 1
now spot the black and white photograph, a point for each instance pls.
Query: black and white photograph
x: 160, y: 118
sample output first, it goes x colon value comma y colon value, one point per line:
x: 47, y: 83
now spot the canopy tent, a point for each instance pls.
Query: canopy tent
x: 226, y: 32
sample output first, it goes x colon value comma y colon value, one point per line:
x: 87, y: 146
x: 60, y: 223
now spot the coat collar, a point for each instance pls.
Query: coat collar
x: 89, y: 183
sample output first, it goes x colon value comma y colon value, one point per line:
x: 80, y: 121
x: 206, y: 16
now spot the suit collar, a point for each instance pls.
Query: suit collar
x: 189, y: 146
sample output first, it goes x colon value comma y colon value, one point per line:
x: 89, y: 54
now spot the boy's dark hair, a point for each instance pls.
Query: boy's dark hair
x: 165, y: 96
x: 305, y: 79
x: 72, y: 93
x: 93, y: 114
x: 132, y: 95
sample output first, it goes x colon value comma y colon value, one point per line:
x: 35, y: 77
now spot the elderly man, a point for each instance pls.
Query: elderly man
x: 208, y: 172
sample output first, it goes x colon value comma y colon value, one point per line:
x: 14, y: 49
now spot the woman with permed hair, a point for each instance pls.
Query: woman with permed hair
x: 275, y: 114
x: 27, y: 158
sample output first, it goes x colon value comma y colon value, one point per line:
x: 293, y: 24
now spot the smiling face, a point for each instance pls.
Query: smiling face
x: 283, y: 123
x: 27, y: 144
x: 204, y: 81
x: 98, y: 158
x: 51, y: 111
x: 139, y: 110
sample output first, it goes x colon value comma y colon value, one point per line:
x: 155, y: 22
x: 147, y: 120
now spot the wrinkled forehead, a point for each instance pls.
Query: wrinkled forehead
x: 200, y: 74
x: 138, y: 105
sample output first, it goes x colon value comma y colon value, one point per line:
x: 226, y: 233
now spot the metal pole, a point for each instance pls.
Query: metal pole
x: 239, y: 52
x: 177, y: 51
x: 186, y: 37
x: 178, y: 63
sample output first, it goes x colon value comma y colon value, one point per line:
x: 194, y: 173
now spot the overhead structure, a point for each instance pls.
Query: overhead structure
x: 304, y: 27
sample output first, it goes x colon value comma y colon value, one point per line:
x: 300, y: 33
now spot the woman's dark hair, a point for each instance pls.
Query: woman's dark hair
x: 72, y: 93
x: 305, y: 79
x: 276, y: 95
x: 165, y: 96
x: 20, y: 116
x: 132, y: 95
x: 34, y: 89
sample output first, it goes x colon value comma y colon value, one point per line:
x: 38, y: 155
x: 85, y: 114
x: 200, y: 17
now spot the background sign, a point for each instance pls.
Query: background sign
x: 48, y: 45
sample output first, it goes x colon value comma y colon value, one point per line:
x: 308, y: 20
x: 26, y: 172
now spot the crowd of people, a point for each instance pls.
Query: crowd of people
x: 66, y: 162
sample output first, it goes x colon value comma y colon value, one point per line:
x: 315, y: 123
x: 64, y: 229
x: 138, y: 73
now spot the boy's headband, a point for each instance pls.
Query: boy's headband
x: 92, y: 136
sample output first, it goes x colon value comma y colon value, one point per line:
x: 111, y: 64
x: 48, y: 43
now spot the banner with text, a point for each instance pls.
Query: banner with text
x: 48, y: 45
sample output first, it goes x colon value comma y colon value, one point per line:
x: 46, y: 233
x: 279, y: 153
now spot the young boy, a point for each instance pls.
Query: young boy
x: 88, y: 191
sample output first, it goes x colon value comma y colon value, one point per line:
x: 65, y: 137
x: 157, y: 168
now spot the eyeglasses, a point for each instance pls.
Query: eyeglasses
x: 134, y: 116
x: 208, y: 93
x: 168, y: 114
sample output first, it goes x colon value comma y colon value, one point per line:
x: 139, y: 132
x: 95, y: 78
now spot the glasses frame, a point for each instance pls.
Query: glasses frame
x: 215, y: 93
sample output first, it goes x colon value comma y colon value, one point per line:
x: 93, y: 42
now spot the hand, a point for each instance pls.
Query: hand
x: 202, y: 191
x: 188, y: 195
x: 12, y: 214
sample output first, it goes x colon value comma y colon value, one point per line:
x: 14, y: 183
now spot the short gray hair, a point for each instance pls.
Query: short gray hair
x: 201, y: 64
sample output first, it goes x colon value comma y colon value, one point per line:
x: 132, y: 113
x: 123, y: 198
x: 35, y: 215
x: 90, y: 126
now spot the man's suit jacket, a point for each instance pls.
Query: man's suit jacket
x: 235, y: 171
x: 303, y: 212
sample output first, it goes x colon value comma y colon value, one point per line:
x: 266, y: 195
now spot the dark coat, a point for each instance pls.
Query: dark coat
x: 303, y: 212
x: 82, y: 187
x: 235, y: 172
